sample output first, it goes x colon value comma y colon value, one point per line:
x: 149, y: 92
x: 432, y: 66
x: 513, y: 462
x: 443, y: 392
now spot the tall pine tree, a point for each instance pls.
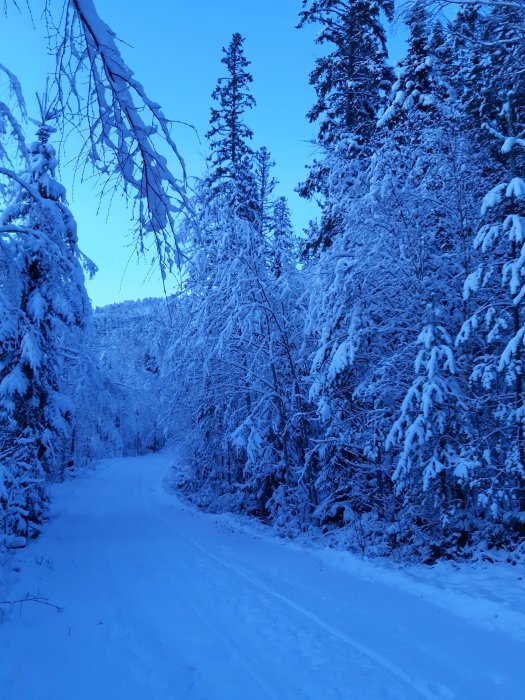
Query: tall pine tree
x: 231, y: 159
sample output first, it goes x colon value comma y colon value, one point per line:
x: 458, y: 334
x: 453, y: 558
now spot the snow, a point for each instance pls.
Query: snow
x: 161, y: 601
x: 493, y: 197
x: 516, y: 188
x: 343, y: 358
x: 13, y: 383
x: 37, y: 306
x: 511, y: 349
x: 510, y: 142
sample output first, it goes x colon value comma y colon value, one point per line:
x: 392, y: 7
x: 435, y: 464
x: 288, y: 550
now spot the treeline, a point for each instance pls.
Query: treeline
x: 369, y: 373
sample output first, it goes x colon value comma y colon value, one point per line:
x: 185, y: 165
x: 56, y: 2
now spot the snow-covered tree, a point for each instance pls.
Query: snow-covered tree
x: 420, y: 87
x: 231, y: 160
x: 265, y: 186
x: 351, y: 79
x: 437, y: 460
x: 45, y: 301
x: 283, y: 245
x: 240, y: 368
x: 497, y: 290
x: 494, y: 330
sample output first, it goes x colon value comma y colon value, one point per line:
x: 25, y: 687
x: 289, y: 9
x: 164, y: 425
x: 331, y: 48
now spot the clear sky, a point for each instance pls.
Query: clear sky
x: 175, y: 51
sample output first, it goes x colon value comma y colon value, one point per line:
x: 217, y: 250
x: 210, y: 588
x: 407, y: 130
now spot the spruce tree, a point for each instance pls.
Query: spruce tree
x: 282, y: 244
x: 351, y: 80
x: 265, y: 186
x: 421, y: 88
x: 495, y: 329
x: 46, y: 302
x: 231, y: 159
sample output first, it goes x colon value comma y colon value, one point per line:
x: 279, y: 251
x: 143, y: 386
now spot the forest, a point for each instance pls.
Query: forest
x: 363, y: 377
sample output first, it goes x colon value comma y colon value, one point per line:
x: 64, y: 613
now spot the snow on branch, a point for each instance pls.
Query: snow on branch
x: 124, y: 129
x: 513, y: 4
x: 10, y: 129
x: 14, y: 88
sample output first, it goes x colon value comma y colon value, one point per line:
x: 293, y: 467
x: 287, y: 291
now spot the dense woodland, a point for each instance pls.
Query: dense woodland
x: 365, y: 374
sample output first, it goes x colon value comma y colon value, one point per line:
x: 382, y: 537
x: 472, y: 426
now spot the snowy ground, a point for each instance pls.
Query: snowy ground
x: 162, y: 602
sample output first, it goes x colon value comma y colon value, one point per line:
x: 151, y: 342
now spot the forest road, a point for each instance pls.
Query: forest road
x: 162, y: 602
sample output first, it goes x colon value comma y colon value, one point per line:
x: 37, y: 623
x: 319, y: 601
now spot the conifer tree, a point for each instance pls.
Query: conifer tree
x: 265, y: 186
x: 231, y: 159
x: 426, y: 181
x: 351, y: 80
x: 495, y: 289
x: 420, y: 87
x: 282, y: 244
x: 47, y: 301
x: 436, y: 464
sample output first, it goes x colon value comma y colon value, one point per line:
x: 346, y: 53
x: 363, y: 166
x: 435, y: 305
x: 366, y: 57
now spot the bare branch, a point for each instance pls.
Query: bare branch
x: 32, y: 599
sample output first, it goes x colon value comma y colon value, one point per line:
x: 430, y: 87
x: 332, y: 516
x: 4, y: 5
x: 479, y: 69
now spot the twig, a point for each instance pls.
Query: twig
x: 32, y: 599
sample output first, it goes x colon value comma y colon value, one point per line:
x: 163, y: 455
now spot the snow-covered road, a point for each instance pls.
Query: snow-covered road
x: 162, y: 602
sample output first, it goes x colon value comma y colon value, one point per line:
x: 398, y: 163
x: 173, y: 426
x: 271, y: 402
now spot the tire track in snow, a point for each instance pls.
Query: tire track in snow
x: 264, y: 588
x: 251, y: 667
x: 327, y: 627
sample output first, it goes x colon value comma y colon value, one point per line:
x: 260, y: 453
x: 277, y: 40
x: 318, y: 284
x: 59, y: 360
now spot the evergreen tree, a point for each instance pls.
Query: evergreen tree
x: 265, y: 186
x: 420, y: 87
x: 496, y: 331
x: 282, y: 245
x: 437, y: 463
x: 495, y: 328
x: 351, y: 83
x: 231, y: 171
x: 47, y: 301
x: 427, y: 180
x: 351, y: 80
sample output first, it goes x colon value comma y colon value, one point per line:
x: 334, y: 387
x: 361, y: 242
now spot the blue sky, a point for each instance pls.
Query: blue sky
x: 175, y: 51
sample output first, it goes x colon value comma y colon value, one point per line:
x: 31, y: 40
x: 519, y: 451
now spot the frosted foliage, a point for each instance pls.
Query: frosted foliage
x: 362, y: 382
x: 13, y: 383
x: 45, y: 309
x: 240, y: 376
x: 510, y: 260
x: 511, y: 142
x: 515, y: 188
x: 431, y: 410
x: 12, y: 140
x: 493, y: 197
x: 130, y: 346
